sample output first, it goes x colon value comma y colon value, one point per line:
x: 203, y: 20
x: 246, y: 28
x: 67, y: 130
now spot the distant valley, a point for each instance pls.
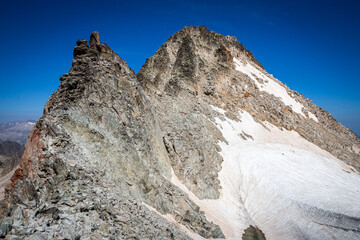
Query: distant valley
x: 16, y: 131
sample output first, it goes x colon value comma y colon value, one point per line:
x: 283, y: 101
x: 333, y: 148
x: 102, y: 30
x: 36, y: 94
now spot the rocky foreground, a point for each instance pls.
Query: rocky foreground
x: 202, y: 143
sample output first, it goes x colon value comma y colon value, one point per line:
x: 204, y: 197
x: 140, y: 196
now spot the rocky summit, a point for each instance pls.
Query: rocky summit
x: 202, y: 143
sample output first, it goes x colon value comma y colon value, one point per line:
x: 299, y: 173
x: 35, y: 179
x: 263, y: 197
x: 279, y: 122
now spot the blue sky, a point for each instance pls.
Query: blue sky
x: 312, y: 46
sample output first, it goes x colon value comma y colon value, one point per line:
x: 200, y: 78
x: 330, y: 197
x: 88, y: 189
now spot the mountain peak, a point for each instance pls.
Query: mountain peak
x: 202, y: 33
x: 95, y: 41
x: 188, y: 52
x: 201, y: 143
x: 95, y: 47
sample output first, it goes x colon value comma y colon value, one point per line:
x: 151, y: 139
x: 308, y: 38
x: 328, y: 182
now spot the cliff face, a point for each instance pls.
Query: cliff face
x: 187, y: 148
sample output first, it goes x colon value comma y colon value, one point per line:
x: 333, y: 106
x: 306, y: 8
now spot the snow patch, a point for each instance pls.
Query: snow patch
x: 312, y: 116
x: 281, y: 183
x: 219, y: 110
x: 268, y: 85
x: 224, y: 211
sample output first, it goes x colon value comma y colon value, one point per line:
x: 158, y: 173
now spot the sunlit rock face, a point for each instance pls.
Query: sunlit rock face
x: 202, y: 143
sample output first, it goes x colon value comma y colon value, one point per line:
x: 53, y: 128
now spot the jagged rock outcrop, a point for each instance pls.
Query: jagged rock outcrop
x: 201, y: 143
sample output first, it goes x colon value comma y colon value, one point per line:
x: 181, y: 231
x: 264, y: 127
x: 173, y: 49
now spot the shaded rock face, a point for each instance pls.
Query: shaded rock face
x: 119, y: 155
x: 10, y: 154
x: 9, y: 148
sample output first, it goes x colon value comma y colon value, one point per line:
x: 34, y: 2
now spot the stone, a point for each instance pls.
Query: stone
x: 95, y: 41
x: 253, y: 233
x: 82, y: 48
x: 36, y: 236
x: 5, y: 226
x: 94, y: 236
x: 12, y: 237
x: 68, y: 232
x: 112, y: 230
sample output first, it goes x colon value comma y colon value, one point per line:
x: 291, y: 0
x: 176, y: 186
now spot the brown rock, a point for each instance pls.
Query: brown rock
x: 81, y: 48
x: 286, y: 110
x: 95, y: 41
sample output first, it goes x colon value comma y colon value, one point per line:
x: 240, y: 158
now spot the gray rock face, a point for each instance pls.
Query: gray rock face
x: 104, y: 159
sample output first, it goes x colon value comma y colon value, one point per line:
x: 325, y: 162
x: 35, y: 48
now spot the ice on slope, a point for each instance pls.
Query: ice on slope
x: 270, y: 86
x: 281, y: 183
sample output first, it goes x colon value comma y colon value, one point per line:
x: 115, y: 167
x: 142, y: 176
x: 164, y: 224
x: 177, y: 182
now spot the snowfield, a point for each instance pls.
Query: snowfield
x: 270, y: 86
x: 278, y: 181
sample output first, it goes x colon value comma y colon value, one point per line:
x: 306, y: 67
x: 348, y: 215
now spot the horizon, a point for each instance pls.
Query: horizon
x: 311, y: 47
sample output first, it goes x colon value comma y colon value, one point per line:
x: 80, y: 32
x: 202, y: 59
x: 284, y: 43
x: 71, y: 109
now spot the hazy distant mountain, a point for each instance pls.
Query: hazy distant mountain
x: 16, y: 131
x: 9, y: 148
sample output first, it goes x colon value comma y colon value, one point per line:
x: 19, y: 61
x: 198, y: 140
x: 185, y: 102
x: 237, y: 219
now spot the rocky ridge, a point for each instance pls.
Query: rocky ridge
x: 99, y: 112
x: 115, y: 151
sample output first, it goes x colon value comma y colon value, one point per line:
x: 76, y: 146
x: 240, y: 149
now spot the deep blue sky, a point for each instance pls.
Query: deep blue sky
x: 312, y: 46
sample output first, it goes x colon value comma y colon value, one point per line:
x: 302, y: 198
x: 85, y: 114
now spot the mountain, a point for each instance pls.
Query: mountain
x: 10, y: 154
x: 9, y: 148
x: 16, y: 131
x: 202, y: 143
